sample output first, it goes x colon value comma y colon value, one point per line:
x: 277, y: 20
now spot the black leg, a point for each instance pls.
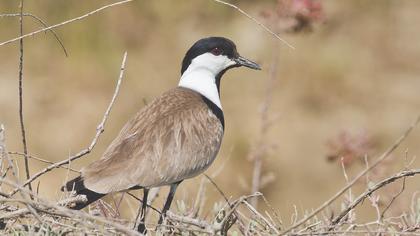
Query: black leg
x: 168, y: 201
x: 141, y: 227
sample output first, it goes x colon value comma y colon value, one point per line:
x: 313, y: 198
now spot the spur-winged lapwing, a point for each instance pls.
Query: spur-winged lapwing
x: 175, y: 137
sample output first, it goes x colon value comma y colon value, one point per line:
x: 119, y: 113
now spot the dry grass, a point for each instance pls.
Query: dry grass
x: 354, y: 69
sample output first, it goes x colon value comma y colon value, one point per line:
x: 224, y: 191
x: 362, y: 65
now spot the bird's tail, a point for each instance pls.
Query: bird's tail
x: 78, y: 186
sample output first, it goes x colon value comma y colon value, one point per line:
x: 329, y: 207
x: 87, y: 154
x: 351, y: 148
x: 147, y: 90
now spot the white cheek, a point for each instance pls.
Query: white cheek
x: 213, y: 63
x: 229, y: 62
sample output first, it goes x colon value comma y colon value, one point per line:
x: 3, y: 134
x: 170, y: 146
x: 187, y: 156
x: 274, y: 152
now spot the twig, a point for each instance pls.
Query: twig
x: 42, y: 23
x: 200, y: 198
x: 3, y: 154
x: 355, y: 232
x: 368, y: 192
x: 219, y: 226
x: 187, y: 220
x: 254, y: 20
x: 141, y: 201
x: 14, y: 172
x: 227, y: 201
x: 24, y: 211
x: 65, y: 22
x: 349, y: 185
x: 260, y: 149
x: 153, y: 194
x: 62, y: 211
x: 267, y: 222
x: 394, y: 198
x: 42, y: 160
x: 99, y: 130
x: 218, y: 189
x: 22, y: 124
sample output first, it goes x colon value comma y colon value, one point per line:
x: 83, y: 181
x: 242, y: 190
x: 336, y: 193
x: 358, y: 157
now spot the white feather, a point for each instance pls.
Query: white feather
x: 200, y: 75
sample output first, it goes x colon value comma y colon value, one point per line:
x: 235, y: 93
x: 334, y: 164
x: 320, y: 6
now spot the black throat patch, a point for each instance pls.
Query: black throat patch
x: 216, y: 110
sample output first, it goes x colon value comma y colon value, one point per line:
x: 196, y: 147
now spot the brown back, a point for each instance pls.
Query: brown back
x: 175, y: 137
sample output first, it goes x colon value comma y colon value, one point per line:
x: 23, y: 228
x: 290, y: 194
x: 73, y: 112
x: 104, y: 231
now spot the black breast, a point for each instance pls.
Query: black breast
x: 216, y: 110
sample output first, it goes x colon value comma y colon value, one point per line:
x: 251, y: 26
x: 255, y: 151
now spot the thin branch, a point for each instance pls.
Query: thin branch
x: 218, y: 189
x: 349, y: 185
x: 254, y: 20
x: 256, y: 213
x: 2, y: 151
x: 99, y: 130
x: 241, y: 224
x: 141, y: 201
x: 14, y: 173
x: 22, y: 124
x: 24, y: 211
x: 54, y: 209
x: 356, y: 232
x: 218, y: 226
x: 42, y: 160
x: 191, y: 221
x: 260, y: 149
x: 65, y: 22
x: 394, y: 198
x: 42, y: 23
x: 368, y: 192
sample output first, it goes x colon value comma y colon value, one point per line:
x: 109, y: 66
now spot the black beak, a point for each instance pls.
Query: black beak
x: 241, y: 61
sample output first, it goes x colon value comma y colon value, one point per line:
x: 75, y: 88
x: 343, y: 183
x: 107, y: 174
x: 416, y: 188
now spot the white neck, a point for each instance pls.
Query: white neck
x: 203, y: 82
x: 200, y: 75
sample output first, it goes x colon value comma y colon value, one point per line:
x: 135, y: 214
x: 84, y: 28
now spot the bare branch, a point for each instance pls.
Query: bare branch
x: 99, y: 130
x: 254, y: 20
x: 21, y: 120
x: 14, y: 172
x: 260, y: 149
x: 54, y: 209
x: 368, y: 192
x: 65, y: 22
x: 349, y: 185
x: 267, y: 222
x: 42, y: 160
x: 394, y: 198
x: 187, y: 220
x: 42, y: 23
x: 227, y: 200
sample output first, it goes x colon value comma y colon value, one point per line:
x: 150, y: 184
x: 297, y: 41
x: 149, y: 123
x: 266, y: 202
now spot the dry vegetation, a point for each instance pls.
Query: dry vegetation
x: 328, y: 136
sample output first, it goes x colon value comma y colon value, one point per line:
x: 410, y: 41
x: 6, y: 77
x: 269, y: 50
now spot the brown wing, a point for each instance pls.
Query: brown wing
x: 173, y: 138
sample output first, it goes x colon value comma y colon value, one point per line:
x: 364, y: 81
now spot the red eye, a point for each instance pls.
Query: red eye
x: 216, y: 51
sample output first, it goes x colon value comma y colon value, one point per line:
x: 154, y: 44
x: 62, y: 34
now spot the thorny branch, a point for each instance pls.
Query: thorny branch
x: 99, y: 130
x: 368, y: 192
x: 378, y: 161
x: 44, y: 206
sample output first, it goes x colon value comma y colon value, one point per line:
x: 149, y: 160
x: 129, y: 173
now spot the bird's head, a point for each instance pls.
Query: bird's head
x: 205, y: 63
x: 215, y: 54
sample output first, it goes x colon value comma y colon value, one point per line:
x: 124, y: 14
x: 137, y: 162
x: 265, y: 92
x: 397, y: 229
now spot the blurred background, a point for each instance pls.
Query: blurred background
x: 349, y: 89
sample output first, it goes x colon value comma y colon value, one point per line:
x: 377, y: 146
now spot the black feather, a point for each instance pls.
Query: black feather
x: 206, y: 45
x: 78, y: 186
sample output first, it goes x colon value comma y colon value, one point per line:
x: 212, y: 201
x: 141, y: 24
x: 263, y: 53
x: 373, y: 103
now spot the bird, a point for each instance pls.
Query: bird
x: 175, y: 137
